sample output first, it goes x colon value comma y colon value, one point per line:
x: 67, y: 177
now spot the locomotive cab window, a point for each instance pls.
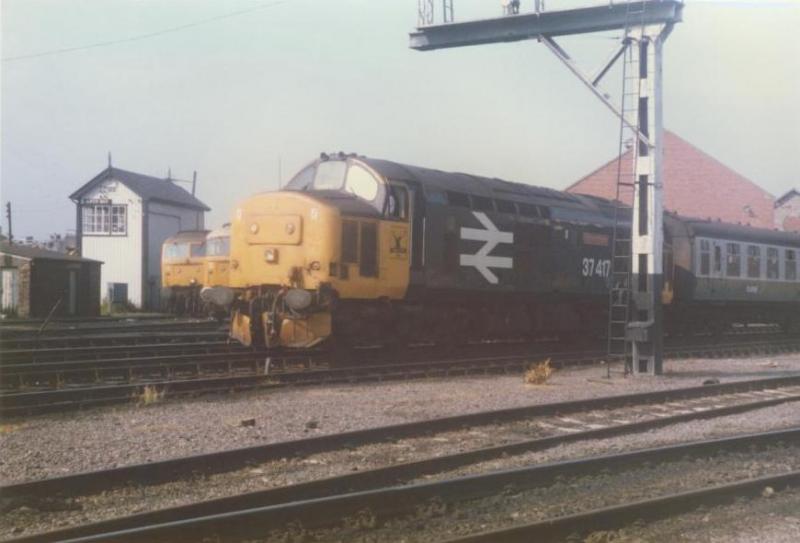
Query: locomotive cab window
x: 198, y: 250
x: 302, y: 180
x: 361, y: 183
x: 218, y: 246
x: 176, y: 251
x: 753, y: 261
x: 343, y: 176
x: 790, y: 265
x: 397, y: 202
x: 733, y: 267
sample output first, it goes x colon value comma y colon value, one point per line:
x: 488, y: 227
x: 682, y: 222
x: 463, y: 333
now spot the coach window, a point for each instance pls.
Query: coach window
x: 753, y: 261
x: 791, y: 265
x: 705, y: 257
x: 773, y: 267
x: 734, y: 264
x: 717, y: 259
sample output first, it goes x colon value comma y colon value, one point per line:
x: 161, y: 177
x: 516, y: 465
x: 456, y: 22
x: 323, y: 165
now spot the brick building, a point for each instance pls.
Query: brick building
x: 787, y: 211
x: 695, y: 184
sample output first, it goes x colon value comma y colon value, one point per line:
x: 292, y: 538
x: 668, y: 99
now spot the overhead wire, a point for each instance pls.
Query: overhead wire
x: 145, y: 36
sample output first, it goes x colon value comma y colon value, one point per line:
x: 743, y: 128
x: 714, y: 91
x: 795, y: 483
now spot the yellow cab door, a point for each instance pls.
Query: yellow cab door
x: 375, y: 252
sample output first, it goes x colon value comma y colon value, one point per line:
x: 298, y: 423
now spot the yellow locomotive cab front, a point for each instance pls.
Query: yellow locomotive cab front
x: 182, y: 261
x: 284, y: 243
x: 296, y: 253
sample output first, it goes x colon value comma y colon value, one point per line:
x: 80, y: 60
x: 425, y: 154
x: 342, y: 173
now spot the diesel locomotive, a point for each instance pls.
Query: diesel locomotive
x: 361, y: 251
x: 182, y: 271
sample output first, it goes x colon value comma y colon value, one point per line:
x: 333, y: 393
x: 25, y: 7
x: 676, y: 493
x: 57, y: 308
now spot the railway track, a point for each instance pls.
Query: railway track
x: 518, y: 430
x: 206, y: 372
x: 31, y: 346
x: 497, y: 505
x: 28, y: 331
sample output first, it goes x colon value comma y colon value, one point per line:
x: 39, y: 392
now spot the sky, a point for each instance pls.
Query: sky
x: 245, y: 92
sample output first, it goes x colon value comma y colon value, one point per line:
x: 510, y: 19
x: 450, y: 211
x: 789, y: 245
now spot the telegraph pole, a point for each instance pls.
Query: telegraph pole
x: 8, y: 216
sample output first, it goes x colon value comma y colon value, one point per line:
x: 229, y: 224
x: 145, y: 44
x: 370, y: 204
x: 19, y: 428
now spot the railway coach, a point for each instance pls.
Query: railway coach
x: 725, y: 274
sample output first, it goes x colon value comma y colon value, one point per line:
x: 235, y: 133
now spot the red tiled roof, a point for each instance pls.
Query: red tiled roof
x: 695, y: 184
x: 791, y: 224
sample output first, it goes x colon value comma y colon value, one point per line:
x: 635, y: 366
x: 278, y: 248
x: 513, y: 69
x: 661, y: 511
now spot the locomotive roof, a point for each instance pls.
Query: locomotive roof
x: 740, y: 232
x: 489, y: 187
x: 187, y: 235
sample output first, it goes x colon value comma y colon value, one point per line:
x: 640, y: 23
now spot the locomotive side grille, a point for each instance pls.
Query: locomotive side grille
x: 369, y: 250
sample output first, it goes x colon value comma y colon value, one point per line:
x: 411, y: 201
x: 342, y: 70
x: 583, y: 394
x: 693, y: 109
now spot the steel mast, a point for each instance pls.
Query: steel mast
x: 646, y: 25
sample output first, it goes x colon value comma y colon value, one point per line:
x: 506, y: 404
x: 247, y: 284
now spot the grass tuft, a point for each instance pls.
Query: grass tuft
x: 150, y: 395
x: 538, y: 374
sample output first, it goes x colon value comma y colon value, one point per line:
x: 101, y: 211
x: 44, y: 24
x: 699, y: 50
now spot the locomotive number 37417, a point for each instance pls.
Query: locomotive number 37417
x: 595, y: 267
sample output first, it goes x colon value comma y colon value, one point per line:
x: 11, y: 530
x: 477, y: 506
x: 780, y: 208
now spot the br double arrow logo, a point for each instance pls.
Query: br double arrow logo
x: 491, y: 237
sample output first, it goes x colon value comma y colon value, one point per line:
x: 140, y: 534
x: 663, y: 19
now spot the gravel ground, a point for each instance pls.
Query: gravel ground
x: 760, y: 520
x: 52, y: 513
x: 58, y: 444
x: 438, y: 521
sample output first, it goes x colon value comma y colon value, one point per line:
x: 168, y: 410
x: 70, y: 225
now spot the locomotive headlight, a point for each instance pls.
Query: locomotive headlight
x: 271, y: 256
x: 254, y: 228
x: 289, y: 228
x: 192, y: 281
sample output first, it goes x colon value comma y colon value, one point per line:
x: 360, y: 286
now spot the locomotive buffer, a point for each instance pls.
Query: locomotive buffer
x: 636, y: 336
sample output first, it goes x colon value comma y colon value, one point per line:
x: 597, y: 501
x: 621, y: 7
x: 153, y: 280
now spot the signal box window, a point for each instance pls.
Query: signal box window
x: 753, y: 261
x: 108, y: 219
x: 791, y: 265
x: 734, y: 264
x: 773, y: 267
x: 705, y: 257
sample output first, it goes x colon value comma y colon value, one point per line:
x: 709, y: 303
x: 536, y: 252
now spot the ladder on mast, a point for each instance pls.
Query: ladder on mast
x: 620, y: 287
